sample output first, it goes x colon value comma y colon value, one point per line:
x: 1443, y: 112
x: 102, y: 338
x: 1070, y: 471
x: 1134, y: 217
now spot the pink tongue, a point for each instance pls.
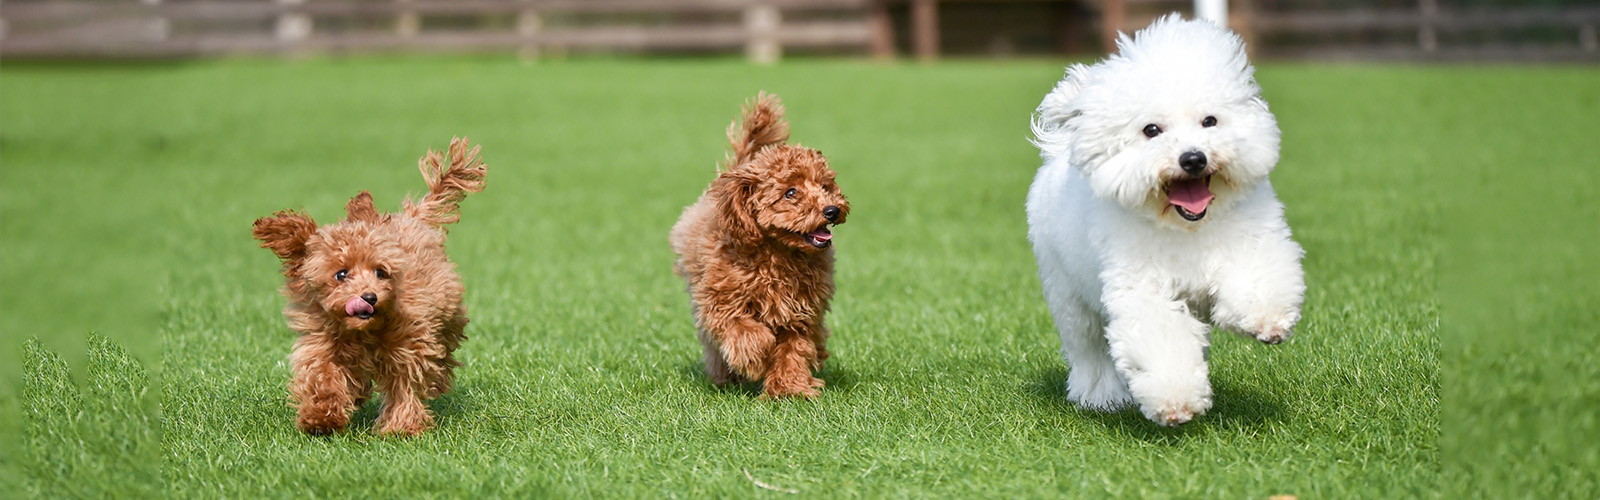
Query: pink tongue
x: 357, y: 306
x: 1193, y: 195
x: 821, y: 235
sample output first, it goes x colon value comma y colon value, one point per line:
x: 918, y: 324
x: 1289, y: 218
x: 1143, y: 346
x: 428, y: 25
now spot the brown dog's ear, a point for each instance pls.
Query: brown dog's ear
x: 361, y: 208
x: 285, y: 233
x: 734, y: 190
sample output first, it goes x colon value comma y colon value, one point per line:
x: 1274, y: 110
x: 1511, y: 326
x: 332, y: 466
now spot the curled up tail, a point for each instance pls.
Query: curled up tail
x: 761, y: 125
x: 448, y: 183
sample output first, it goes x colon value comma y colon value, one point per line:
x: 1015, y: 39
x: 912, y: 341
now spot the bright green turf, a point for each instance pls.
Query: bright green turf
x: 1522, y: 390
x: 582, y: 374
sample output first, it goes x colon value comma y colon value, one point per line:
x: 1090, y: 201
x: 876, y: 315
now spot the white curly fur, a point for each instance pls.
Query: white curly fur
x: 1131, y: 283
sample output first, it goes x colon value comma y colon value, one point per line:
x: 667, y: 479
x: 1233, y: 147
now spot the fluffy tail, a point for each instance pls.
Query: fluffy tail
x: 762, y: 125
x: 448, y: 183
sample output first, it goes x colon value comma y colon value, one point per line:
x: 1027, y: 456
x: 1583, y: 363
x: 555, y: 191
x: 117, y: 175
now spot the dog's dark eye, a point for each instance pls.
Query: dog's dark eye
x: 1152, y: 130
x: 1210, y: 121
x: 382, y: 274
x: 341, y: 274
x: 789, y: 194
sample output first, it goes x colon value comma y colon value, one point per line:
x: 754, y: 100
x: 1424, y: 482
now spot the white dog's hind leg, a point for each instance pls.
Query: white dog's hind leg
x: 1093, y: 382
x: 1160, y: 350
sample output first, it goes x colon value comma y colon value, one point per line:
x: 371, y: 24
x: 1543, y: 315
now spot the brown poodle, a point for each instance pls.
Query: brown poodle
x: 757, y: 255
x: 375, y: 300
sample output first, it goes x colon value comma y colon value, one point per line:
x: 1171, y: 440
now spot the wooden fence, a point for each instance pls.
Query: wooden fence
x: 765, y: 29
x: 171, y: 28
x: 1430, y: 31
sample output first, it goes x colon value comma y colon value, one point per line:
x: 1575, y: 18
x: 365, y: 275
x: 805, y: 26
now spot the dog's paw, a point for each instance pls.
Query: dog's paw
x: 405, y: 428
x: 1174, y: 416
x: 1177, y: 412
x: 1275, y: 328
x: 810, y: 388
x: 1172, y: 400
x: 320, y: 425
x: 1273, y: 333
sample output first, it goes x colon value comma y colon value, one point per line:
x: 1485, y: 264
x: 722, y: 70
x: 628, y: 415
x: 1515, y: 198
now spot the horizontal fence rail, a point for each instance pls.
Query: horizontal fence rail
x: 1440, y: 34
x: 1476, y: 18
x: 1430, y: 31
x: 1434, y: 30
x: 156, y: 28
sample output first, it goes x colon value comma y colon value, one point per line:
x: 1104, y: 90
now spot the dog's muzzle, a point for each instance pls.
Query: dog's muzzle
x: 1190, y: 197
x: 821, y: 238
x: 361, y: 307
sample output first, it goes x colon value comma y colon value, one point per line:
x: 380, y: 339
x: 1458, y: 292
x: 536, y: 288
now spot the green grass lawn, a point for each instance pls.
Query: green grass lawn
x: 128, y: 192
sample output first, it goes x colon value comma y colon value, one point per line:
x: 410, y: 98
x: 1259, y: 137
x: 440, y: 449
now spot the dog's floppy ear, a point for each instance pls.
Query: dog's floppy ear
x: 733, y: 189
x: 1055, y: 114
x: 361, y: 208
x: 285, y: 233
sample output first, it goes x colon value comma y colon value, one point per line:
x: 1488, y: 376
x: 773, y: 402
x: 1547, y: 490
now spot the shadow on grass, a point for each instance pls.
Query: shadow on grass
x: 452, y: 405
x: 1234, y: 406
x: 837, y: 379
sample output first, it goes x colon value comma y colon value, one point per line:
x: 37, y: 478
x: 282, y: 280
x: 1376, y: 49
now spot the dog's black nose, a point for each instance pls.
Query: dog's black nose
x: 831, y: 212
x: 1192, y: 162
x: 371, y: 298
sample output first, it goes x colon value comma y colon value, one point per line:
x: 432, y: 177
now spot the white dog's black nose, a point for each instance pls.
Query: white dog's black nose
x: 1192, y: 162
x: 831, y: 212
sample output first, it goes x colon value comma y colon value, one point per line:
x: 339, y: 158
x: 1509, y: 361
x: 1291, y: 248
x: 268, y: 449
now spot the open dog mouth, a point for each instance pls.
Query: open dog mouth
x: 821, y: 238
x: 359, y: 308
x: 1190, y: 197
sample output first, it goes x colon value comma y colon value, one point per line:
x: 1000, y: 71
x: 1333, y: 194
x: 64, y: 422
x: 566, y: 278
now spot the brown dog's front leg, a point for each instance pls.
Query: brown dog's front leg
x: 744, y: 344
x: 411, y: 374
x: 403, y: 412
x: 790, y: 372
x: 321, y: 390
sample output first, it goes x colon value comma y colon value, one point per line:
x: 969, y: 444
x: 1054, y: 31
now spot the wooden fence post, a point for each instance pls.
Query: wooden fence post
x: 925, y: 28
x: 761, y: 22
x: 1111, y: 19
x: 529, y: 24
x: 1243, y: 22
x: 882, y: 30
x: 1426, y: 36
x: 160, y: 27
x: 292, y: 27
x: 1587, y: 39
x: 408, y: 23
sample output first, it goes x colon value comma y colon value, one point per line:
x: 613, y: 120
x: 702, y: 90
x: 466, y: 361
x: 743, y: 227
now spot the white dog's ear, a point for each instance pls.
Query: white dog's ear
x: 1051, y: 121
x: 1258, y: 102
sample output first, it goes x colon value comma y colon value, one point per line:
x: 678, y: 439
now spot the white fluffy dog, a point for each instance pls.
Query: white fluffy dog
x: 1152, y: 215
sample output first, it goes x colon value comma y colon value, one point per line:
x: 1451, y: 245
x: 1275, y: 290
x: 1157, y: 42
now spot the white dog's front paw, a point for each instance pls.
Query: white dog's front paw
x: 1272, y: 336
x: 1173, y: 401
x: 1275, y: 332
x: 1176, y: 412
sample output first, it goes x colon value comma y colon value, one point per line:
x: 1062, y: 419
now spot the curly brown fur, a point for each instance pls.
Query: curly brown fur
x: 376, y: 301
x: 758, y: 257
